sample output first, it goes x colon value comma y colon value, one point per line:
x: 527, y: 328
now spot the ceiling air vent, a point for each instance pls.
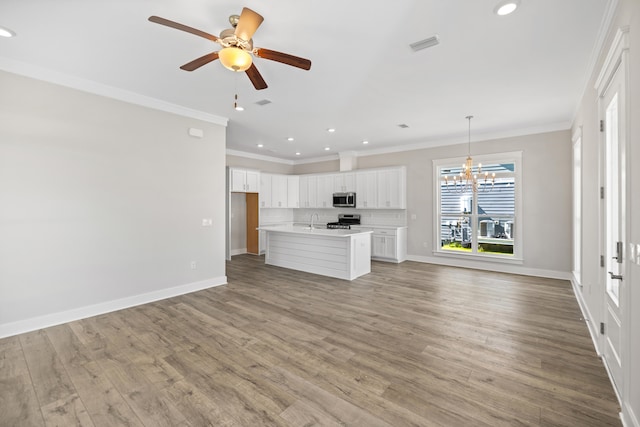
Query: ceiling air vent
x: 263, y: 102
x: 403, y: 126
x: 423, y: 44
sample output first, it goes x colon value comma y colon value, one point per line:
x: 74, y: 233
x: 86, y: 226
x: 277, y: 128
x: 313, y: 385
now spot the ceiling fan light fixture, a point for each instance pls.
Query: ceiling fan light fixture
x: 235, y: 59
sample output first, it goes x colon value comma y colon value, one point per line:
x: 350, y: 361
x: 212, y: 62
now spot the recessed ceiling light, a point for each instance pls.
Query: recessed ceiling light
x: 260, y: 145
x: 239, y: 108
x: 331, y: 130
x: 297, y: 153
x: 506, y: 7
x: 327, y: 148
x: 365, y: 142
x: 5, y: 32
x: 290, y: 138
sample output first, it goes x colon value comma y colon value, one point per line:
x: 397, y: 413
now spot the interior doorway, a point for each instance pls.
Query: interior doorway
x: 614, y: 215
x: 244, y: 219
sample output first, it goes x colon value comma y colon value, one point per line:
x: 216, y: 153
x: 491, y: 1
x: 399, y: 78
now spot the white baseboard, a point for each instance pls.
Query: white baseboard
x: 628, y: 417
x: 238, y: 251
x: 482, y: 265
x: 35, y: 323
x: 586, y: 314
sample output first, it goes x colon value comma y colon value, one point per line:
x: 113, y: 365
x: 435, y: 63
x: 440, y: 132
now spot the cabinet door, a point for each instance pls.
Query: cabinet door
x: 344, y: 182
x: 265, y: 190
x: 325, y: 191
x: 377, y: 246
x: 304, y: 192
x: 238, y: 180
x: 390, y: 247
x: 293, y: 191
x: 279, y: 191
x: 349, y: 181
x: 252, y: 181
x: 366, y: 190
x: 391, y: 188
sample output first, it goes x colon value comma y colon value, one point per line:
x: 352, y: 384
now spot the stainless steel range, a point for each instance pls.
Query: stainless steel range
x: 345, y: 221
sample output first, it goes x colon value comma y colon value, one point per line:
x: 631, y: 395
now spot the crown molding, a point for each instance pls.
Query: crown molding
x: 603, y: 31
x: 254, y: 156
x: 47, y: 75
x: 432, y: 143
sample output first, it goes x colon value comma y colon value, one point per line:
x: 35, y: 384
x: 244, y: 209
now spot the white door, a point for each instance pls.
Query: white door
x: 614, y: 225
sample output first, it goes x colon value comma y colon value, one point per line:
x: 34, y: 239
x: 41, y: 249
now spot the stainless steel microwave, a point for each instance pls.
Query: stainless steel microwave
x: 344, y: 200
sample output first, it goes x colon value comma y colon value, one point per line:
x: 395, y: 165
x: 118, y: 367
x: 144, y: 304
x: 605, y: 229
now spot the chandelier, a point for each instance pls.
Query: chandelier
x: 470, y: 178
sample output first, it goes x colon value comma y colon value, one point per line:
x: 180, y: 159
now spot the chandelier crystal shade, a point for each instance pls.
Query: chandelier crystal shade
x: 470, y: 178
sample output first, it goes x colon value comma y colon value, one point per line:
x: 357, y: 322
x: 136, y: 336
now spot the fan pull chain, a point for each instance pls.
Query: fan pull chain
x: 235, y: 103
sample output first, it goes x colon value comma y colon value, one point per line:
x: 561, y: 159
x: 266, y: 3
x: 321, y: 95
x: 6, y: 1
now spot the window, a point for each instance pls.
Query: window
x: 481, y: 223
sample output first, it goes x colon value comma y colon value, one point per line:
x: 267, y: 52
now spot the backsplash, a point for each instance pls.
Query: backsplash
x: 393, y: 217
x: 274, y: 216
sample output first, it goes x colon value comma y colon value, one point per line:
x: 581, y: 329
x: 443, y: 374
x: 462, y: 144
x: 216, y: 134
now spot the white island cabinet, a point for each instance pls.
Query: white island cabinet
x: 345, y: 254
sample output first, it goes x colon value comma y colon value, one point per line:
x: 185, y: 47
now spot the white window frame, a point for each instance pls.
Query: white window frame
x: 514, y: 157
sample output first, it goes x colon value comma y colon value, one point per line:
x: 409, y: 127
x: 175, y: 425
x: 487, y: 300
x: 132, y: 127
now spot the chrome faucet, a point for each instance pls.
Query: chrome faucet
x: 317, y: 217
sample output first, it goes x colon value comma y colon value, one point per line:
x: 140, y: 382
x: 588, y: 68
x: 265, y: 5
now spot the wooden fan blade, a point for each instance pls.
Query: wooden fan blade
x: 197, y: 63
x: 248, y: 24
x: 284, y: 58
x: 256, y: 78
x: 182, y: 27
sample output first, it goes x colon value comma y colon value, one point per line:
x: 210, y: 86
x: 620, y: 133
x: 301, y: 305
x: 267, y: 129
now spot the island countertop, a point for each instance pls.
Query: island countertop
x: 315, y: 231
x: 345, y: 254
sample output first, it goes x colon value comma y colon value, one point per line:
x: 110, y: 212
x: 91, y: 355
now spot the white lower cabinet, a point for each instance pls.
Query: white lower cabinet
x: 389, y: 244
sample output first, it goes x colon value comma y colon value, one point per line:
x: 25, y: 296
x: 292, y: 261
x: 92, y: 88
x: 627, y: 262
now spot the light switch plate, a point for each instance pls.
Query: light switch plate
x: 632, y: 252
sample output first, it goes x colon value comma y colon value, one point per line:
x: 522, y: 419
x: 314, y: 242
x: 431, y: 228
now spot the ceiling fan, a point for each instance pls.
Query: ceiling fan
x: 237, y: 47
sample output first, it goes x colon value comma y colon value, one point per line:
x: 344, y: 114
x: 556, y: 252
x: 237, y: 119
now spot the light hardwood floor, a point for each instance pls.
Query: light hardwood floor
x: 407, y: 345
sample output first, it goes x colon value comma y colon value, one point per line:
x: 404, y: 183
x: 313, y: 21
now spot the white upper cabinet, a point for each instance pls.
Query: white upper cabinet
x: 279, y: 191
x: 324, y: 196
x: 265, y: 190
x: 392, y: 188
x: 293, y: 191
x: 366, y: 189
x: 375, y: 188
x: 344, y: 182
x: 243, y: 181
x: 308, y: 191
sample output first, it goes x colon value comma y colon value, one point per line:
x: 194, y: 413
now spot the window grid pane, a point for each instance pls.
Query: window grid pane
x: 483, y: 222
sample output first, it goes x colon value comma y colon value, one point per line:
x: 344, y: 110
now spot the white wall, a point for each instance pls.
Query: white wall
x: 101, y: 204
x: 546, y: 216
x: 592, y: 292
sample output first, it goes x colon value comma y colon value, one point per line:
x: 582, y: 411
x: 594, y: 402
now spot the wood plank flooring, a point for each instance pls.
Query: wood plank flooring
x: 408, y: 345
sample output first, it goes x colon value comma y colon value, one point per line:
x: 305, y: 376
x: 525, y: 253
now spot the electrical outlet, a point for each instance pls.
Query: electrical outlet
x: 193, y: 265
x: 425, y: 244
x: 207, y: 222
x: 414, y: 216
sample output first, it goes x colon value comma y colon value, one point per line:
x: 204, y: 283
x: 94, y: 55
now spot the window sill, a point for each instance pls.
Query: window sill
x: 479, y: 258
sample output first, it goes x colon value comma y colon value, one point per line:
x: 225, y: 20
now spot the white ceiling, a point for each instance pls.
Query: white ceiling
x: 516, y: 74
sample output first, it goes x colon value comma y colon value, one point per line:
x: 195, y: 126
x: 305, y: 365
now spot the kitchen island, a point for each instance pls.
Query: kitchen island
x: 344, y: 254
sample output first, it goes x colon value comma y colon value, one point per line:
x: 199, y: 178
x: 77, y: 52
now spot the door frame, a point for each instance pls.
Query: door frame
x: 615, y: 62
